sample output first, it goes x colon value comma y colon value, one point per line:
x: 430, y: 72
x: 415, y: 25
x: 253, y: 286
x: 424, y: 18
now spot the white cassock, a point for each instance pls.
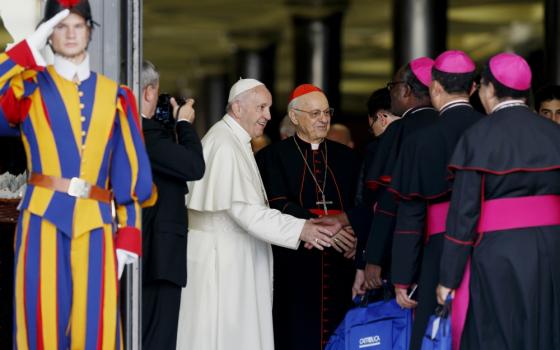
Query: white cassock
x: 227, y: 303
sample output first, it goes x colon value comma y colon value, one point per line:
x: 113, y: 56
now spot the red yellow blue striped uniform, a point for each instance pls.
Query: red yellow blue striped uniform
x: 66, y: 287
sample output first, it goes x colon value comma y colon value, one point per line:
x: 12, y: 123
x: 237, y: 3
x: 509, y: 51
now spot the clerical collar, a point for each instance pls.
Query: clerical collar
x: 314, y: 146
x: 68, y: 70
x: 414, y: 110
x: 454, y: 103
x: 507, y: 104
x: 237, y: 129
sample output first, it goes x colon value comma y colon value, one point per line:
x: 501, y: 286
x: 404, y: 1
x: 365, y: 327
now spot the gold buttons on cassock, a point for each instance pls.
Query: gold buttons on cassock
x: 83, y: 119
x: 83, y: 133
x: 81, y: 106
x: 81, y: 93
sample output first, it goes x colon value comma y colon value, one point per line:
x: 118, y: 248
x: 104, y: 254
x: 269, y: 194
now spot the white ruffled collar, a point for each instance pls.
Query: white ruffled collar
x: 68, y: 70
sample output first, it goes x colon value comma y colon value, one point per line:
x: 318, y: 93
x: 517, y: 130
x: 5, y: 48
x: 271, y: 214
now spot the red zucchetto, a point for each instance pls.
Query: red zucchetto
x: 303, y: 89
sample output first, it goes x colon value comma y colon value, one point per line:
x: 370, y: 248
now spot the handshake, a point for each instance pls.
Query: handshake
x: 330, y: 231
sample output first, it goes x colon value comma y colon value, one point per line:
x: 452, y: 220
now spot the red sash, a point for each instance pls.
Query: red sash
x: 321, y: 212
x: 495, y: 215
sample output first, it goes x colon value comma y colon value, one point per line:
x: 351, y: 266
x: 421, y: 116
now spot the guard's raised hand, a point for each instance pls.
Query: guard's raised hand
x: 39, y: 38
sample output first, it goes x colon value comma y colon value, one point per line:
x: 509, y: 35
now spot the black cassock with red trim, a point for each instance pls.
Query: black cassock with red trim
x: 515, y: 273
x: 312, y: 289
x: 379, y: 175
x: 421, y: 179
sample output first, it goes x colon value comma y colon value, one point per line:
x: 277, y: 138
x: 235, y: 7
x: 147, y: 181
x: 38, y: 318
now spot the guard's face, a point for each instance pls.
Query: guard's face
x: 70, y: 37
x: 312, y: 116
x: 550, y: 109
x: 254, y: 111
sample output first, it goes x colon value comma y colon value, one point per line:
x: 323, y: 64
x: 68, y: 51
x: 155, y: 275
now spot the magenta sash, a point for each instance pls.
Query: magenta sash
x: 495, y: 215
x: 436, y: 217
x: 519, y: 212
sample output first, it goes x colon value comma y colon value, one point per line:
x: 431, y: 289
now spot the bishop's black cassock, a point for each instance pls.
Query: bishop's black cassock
x: 421, y: 180
x: 312, y: 288
x: 504, y: 215
x: 378, y: 248
x: 361, y: 216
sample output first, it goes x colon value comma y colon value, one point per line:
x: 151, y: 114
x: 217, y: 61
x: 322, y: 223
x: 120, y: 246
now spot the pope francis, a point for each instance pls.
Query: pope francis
x: 227, y: 303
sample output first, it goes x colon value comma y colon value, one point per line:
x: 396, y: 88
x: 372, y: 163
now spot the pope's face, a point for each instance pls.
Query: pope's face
x: 312, y: 116
x: 550, y: 109
x: 255, y: 111
x: 70, y: 37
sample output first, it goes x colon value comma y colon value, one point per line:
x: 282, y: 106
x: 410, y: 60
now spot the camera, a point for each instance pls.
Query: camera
x: 164, y: 110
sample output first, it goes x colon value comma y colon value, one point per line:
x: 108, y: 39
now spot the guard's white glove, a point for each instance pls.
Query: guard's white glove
x: 38, y: 40
x: 124, y: 257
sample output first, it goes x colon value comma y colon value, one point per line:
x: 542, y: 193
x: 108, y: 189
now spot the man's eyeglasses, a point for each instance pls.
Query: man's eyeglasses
x: 315, y: 114
x: 392, y: 84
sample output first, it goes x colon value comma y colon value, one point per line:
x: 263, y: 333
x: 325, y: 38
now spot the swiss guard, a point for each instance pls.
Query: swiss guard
x: 84, y: 148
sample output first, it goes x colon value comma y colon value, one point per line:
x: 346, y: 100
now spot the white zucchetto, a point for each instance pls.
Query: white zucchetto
x: 241, y: 86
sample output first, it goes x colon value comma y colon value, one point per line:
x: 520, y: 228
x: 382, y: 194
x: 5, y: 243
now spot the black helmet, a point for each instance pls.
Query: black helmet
x: 79, y: 7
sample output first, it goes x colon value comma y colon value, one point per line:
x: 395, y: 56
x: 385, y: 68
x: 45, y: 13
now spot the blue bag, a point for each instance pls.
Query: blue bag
x: 438, y: 332
x: 381, y: 325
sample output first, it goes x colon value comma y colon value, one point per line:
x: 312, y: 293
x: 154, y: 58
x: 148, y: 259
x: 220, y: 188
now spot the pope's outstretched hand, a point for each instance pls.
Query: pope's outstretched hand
x: 316, y: 235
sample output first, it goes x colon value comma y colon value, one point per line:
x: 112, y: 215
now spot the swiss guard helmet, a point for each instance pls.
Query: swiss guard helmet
x: 79, y: 7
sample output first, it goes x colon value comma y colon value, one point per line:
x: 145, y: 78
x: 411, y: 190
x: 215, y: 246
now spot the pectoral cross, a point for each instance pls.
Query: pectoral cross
x: 324, y: 203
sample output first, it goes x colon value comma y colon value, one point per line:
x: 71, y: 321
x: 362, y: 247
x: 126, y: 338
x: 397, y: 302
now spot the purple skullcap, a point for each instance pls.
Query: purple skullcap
x: 422, y: 69
x: 511, y: 70
x: 454, y: 61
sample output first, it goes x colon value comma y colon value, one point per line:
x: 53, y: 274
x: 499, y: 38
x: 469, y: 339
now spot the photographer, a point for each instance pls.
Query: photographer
x: 175, y: 154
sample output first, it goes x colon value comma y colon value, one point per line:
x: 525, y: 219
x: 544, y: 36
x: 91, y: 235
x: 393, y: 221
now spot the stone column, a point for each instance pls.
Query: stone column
x: 419, y: 29
x: 317, y: 47
x: 552, y: 40
x: 255, y: 58
x: 105, y: 49
x: 120, y: 58
x: 212, y: 101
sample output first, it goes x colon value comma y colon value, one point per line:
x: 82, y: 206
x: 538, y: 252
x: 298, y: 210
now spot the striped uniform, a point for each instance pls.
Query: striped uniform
x: 66, y: 287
